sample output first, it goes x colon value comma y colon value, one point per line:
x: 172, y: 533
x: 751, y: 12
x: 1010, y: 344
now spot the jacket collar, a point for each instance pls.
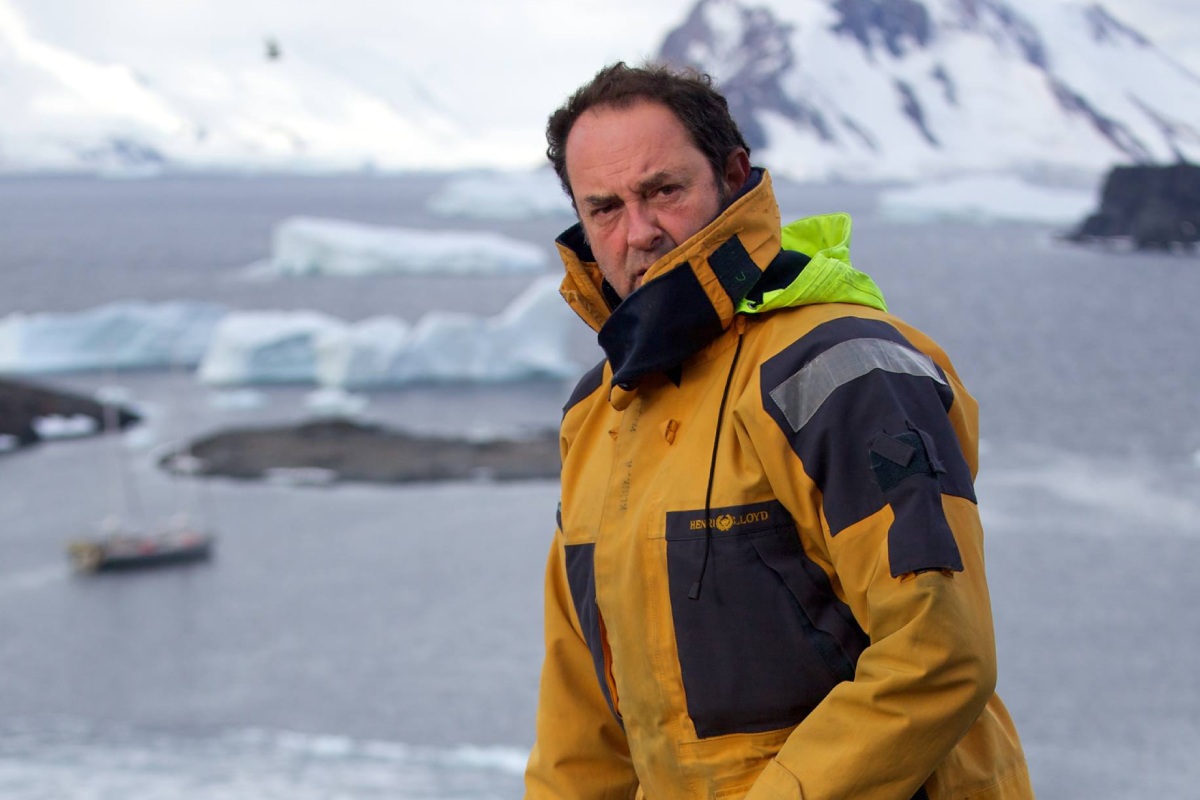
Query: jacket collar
x: 689, y: 296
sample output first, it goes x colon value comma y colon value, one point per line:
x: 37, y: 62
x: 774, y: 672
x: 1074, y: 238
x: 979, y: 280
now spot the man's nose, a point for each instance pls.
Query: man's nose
x: 643, y: 232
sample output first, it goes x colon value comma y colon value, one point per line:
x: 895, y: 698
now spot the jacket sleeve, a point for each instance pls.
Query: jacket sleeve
x: 581, y: 752
x: 876, y: 465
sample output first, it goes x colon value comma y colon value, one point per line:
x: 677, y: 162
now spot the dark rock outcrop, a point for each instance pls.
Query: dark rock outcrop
x: 334, y: 450
x: 1154, y: 206
x: 21, y: 403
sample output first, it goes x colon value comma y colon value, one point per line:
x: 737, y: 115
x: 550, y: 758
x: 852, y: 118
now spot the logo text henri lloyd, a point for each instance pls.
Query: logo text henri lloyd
x: 727, y: 521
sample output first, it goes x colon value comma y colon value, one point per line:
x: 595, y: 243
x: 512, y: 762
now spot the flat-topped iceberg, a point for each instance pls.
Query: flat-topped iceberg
x: 126, y: 335
x: 329, y: 247
x: 526, y: 340
x: 502, y: 196
x: 987, y: 198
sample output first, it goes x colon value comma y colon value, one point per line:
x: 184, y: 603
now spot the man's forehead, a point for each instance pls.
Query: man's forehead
x: 640, y: 143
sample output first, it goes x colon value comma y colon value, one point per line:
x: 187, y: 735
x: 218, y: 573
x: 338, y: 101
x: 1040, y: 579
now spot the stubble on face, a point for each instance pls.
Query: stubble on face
x: 641, y: 187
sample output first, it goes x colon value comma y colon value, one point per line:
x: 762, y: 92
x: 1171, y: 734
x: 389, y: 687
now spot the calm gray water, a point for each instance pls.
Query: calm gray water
x: 364, y: 642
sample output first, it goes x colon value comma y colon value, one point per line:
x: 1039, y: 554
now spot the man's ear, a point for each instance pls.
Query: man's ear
x: 737, y: 170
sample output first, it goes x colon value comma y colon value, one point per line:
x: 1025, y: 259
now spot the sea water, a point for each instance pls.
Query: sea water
x: 357, y: 641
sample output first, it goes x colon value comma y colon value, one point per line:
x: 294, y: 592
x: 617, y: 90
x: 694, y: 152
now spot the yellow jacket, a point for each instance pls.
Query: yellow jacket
x: 768, y: 577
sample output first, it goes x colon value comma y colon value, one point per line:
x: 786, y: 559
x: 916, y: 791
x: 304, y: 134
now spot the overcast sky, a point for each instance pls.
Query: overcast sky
x: 515, y: 59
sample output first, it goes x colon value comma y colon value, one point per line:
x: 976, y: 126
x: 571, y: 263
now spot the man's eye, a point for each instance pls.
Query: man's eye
x: 600, y: 211
x: 668, y: 190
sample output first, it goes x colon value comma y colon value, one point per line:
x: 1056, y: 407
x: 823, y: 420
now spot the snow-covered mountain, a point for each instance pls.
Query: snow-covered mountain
x: 853, y: 89
x: 259, y: 109
x: 906, y: 88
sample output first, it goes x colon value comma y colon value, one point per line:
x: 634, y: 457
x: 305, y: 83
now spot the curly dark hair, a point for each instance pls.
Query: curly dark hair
x: 689, y: 94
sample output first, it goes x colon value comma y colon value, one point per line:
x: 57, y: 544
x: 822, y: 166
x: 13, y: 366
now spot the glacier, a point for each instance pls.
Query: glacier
x: 528, y: 339
x: 116, y: 336
x: 309, y: 246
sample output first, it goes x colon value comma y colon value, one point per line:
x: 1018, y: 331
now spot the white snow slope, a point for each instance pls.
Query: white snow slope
x: 905, y: 89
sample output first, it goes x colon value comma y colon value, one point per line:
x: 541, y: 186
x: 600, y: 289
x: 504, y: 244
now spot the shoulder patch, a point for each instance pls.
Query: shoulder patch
x: 850, y: 396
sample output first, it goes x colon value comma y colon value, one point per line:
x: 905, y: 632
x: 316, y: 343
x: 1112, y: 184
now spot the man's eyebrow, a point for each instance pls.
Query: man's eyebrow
x: 654, y: 181
x: 646, y: 184
x: 598, y: 200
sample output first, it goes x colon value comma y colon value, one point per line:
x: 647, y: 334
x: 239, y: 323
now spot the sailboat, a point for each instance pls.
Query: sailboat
x: 122, y: 546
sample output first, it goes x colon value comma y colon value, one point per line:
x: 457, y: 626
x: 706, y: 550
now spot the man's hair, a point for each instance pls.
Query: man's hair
x: 690, y: 95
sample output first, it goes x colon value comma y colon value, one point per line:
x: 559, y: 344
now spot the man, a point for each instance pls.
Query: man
x: 767, y: 579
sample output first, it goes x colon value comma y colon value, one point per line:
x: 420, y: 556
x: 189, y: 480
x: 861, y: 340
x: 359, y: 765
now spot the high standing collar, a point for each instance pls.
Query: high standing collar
x: 689, y: 296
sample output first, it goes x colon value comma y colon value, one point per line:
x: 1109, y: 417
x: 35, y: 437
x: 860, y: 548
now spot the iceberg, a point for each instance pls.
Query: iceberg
x: 328, y: 247
x: 119, y: 336
x: 267, y: 347
x: 987, y: 198
x: 528, y: 339
x: 502, y: 196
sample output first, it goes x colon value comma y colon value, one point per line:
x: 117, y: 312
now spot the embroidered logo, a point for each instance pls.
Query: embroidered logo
x: 727, y: 522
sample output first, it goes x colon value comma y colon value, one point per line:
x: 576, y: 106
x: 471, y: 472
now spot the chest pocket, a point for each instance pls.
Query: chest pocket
x: 767, y: 639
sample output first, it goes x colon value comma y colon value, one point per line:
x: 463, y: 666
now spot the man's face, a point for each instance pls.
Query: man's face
x: 641, y: 186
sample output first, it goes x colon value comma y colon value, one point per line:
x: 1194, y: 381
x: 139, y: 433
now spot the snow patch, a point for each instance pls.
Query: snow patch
x: 312, y: 246
x: 57, y: 426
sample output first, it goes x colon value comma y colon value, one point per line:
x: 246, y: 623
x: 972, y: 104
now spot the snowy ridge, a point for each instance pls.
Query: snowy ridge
x: 855, y: 89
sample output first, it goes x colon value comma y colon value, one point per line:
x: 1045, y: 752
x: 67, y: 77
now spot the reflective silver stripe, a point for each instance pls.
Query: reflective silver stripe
x: 802, y: 394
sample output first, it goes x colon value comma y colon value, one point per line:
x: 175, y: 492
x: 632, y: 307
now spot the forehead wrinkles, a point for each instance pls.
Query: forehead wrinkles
x: 622, y: 148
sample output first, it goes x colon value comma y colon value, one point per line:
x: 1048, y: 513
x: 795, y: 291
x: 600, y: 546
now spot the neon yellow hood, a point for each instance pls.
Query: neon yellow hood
x: 829, y: 276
